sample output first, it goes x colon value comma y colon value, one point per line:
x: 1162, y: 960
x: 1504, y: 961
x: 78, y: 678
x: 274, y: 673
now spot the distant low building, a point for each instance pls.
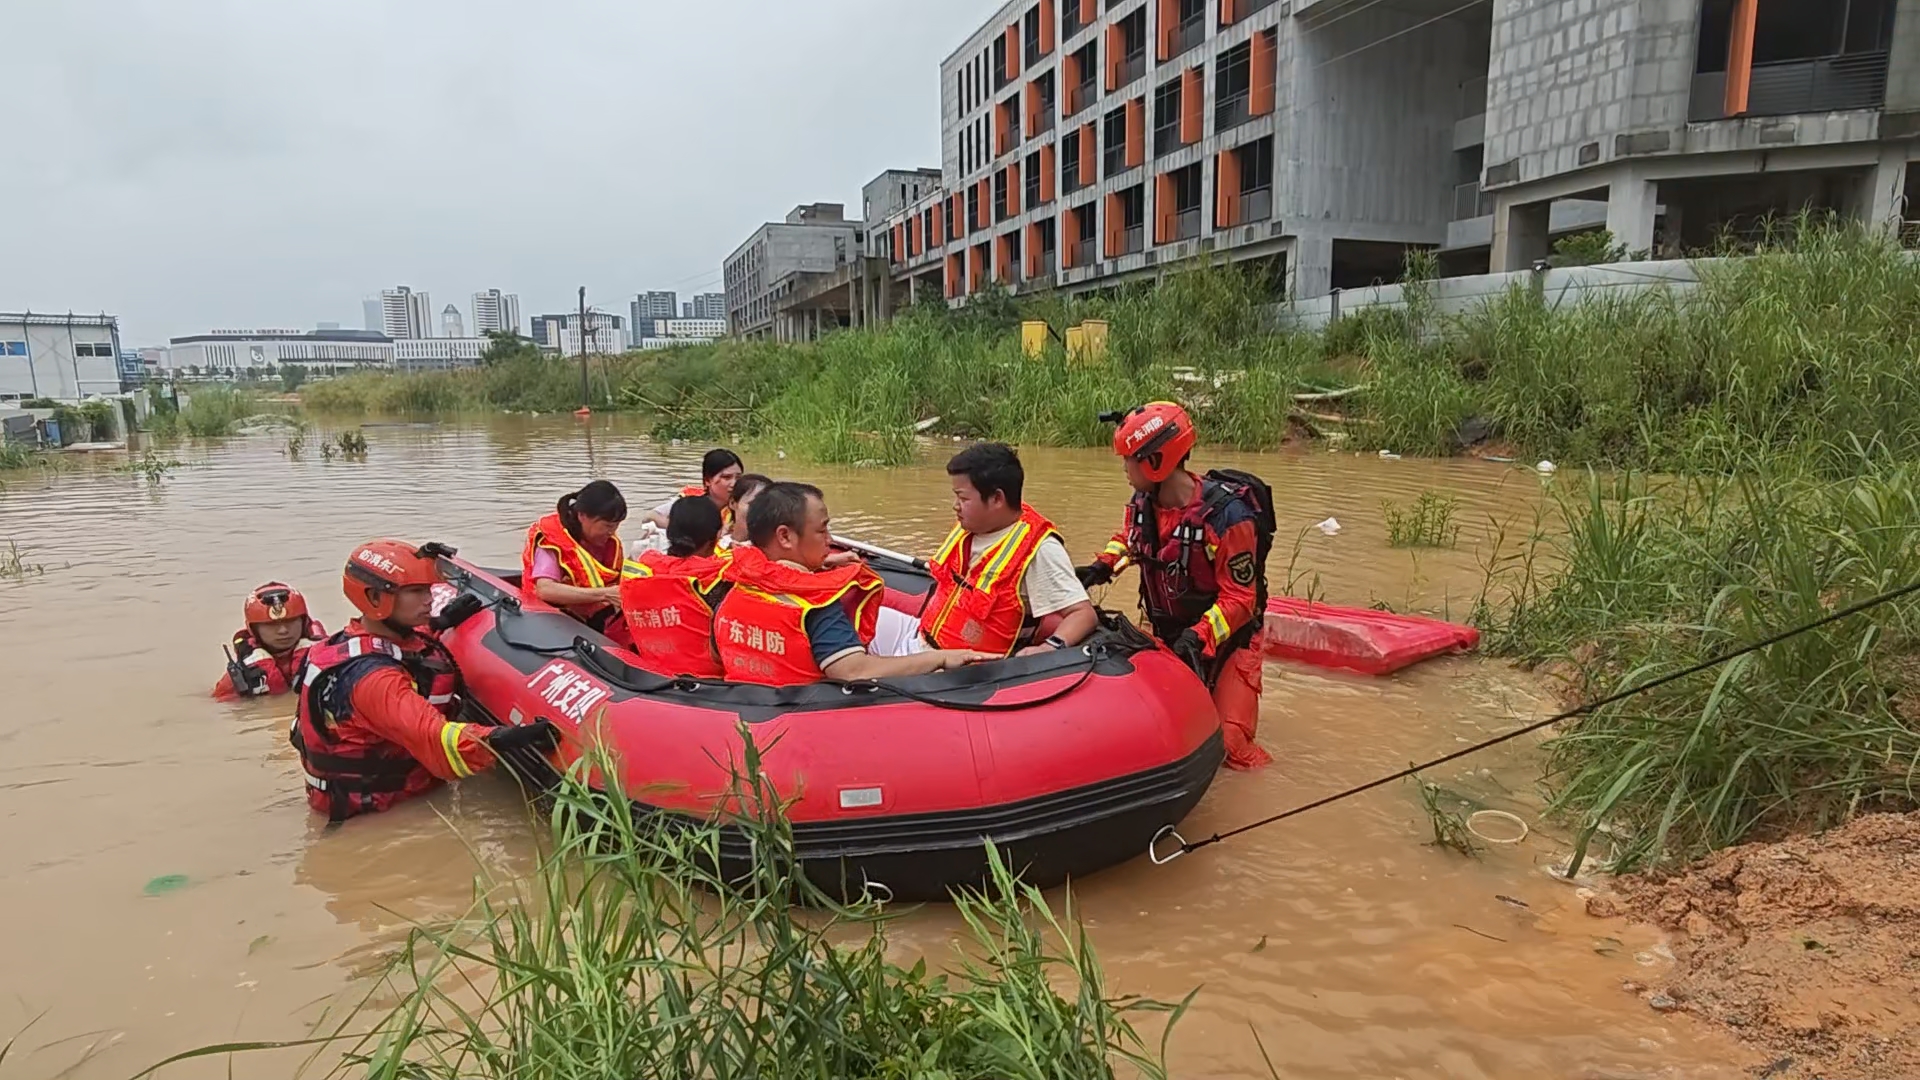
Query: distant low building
x: 229, y: 353
x: 561, y: 333
x: 59, y: 357
x: 439, y: 354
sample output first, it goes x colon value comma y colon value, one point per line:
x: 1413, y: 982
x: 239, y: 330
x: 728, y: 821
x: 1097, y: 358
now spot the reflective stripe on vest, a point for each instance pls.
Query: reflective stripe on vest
x: 980, y: 608
x: 576, y: 562
x: 760, y: 628
x: 351, y: 774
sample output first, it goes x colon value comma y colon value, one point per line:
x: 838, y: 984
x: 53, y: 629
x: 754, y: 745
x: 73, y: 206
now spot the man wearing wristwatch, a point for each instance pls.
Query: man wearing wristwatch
x: 1003, y: 583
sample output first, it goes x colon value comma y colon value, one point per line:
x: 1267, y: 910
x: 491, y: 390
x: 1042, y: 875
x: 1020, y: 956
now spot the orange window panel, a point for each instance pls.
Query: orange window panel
x: 1192, y: 97
x: 1136, y: 132
x: 1740, y: 56
x: 1262, y: 74
x: 1226, y: 183
x: 1046, y: 173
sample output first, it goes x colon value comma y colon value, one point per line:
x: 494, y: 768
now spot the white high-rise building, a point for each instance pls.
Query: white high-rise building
x: 495, y: 312
x: 405, y: 315
x: 451, y: 325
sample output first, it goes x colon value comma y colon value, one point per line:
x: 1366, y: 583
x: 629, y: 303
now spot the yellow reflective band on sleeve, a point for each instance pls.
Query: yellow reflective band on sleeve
x: 635, y: 568
x: 1217, y: 622
x: 1115, y: 547
x: 450, y: 742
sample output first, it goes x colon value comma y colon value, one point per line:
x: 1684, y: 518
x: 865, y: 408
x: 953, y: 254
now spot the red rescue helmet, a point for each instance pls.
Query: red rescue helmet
x: 1159, y: 435
x: 380, y: 568
x: 273, y: 602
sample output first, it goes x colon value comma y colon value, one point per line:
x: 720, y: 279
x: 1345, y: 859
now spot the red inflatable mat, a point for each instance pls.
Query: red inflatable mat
x: 1358, y: 639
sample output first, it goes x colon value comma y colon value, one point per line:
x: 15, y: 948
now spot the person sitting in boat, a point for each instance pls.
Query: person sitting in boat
x: 573, y: 557
x: 719, y: 470
x: 267, y: 652
x: 1003, y: 575
x: 375, y: 724
x: 735, y: 520
x: 1201, y: 544
x: 667, y: 597
x: 788, y: 621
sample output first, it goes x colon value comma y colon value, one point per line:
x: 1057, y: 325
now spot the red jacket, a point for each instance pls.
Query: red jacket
x: 1210, y: 584
x: 666, y: 601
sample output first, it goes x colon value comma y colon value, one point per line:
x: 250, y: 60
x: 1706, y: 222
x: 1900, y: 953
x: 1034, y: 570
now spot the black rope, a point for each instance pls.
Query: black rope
x: 1704, y: 665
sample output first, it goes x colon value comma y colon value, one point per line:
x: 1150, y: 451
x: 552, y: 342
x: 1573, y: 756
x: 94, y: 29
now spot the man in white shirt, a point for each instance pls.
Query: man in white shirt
x: 1003, y: 583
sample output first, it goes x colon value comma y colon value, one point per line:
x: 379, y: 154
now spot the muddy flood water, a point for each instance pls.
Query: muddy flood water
x: 163, y: 885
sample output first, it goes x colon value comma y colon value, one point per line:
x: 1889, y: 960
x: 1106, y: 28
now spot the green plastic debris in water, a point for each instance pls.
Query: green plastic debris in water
x: 165, y: 883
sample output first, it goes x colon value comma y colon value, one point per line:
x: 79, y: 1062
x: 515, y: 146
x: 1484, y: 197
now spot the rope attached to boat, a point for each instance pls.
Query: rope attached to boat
x: 1094, y: 654
x: 1591, y: 706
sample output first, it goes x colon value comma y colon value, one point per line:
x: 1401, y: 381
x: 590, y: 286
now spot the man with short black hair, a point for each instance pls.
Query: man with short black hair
x: 788, y: 622
x: 1002, y: 580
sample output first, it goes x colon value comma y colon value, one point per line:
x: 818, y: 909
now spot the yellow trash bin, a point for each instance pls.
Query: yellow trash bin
x: 1076, y: 344
x: 1033, y: 338
x: 1096, y: 340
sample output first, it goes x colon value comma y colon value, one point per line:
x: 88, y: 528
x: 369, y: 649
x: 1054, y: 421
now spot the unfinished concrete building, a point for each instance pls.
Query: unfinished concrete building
x: 1087, y: 142
x: 778, y: 281
x: 1693, y: 121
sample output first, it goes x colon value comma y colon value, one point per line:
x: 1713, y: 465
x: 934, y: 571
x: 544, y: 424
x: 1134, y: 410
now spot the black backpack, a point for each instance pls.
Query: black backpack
x: 1225, y: 485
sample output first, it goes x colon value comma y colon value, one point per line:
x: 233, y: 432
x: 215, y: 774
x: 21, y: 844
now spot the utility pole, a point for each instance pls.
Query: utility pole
x: 583, y: 347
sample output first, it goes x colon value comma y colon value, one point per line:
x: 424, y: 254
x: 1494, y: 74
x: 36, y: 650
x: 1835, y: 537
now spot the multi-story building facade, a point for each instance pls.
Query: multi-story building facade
x: 1086, y: 142
x: 710, y: 306
x: 605, y: 333
x: 321, y: 352
x: 439, y: 354
x: 793, y: 279
x: 495, y: 312
x: 451, y: 324
x: 400, y: 313
x: 648, y: 306
x: 59, y: 357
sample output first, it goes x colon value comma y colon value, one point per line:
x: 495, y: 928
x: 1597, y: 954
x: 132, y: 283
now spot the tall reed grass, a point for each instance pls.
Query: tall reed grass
x: 627, y: 954
x: 1637, y: 578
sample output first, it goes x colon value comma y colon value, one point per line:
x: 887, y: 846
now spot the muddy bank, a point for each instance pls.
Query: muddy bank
x: 1808, y: 949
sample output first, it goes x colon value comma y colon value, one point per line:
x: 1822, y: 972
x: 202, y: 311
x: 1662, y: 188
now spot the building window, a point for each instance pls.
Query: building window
x: 1233, y: 87
x: 1114, y: 137
x: 1166, y: 117
x: 13, y: 348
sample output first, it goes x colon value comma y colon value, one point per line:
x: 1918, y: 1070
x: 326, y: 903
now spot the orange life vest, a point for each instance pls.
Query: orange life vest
x: 582, y: 569
x: 979, y: 608
x: 760, y: 628
x: 665, y: 601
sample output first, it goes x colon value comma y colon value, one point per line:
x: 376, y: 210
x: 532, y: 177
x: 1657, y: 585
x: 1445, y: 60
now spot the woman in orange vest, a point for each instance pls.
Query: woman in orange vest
x: 667, y: 597
x: 787, y: 622
x: 719, y: 469
x: 573, y: 556
x: 1003, y: 580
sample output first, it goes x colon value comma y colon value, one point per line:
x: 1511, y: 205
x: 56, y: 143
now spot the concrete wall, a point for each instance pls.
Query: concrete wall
x: 1560, y: 77
x: 1367, y: 147
x: 1464, y: 295
x: 1903, y: 69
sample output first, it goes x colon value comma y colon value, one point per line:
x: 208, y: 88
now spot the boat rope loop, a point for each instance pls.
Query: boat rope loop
x: 1185, y: 846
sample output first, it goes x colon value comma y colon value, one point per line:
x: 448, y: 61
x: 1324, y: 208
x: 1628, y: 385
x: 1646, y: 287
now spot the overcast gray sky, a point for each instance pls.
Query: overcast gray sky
x: 193, y: 164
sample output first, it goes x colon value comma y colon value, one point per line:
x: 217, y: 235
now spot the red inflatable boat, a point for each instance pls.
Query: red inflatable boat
x: 1358, y: 639
x: 1069, y: 762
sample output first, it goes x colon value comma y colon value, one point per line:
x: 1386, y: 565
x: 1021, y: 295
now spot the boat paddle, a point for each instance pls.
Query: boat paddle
x: 880, y: 552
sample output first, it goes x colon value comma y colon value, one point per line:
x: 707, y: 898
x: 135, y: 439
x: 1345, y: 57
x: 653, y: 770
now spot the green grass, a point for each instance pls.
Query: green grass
x: 1426, y: 523
x: 1637, y: 578
x: 626, y: 954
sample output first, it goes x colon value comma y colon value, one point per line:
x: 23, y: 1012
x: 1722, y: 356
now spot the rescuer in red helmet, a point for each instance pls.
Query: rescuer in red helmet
x: 376, y: 722
x: 1201, y: 544
x: 269, y: 648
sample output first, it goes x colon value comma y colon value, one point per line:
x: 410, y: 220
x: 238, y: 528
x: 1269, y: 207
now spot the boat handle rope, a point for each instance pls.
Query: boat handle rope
x: 1613, y: 699
x: 1093, y: 653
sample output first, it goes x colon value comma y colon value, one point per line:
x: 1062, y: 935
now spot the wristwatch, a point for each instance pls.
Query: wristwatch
x: 1058, y: 642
